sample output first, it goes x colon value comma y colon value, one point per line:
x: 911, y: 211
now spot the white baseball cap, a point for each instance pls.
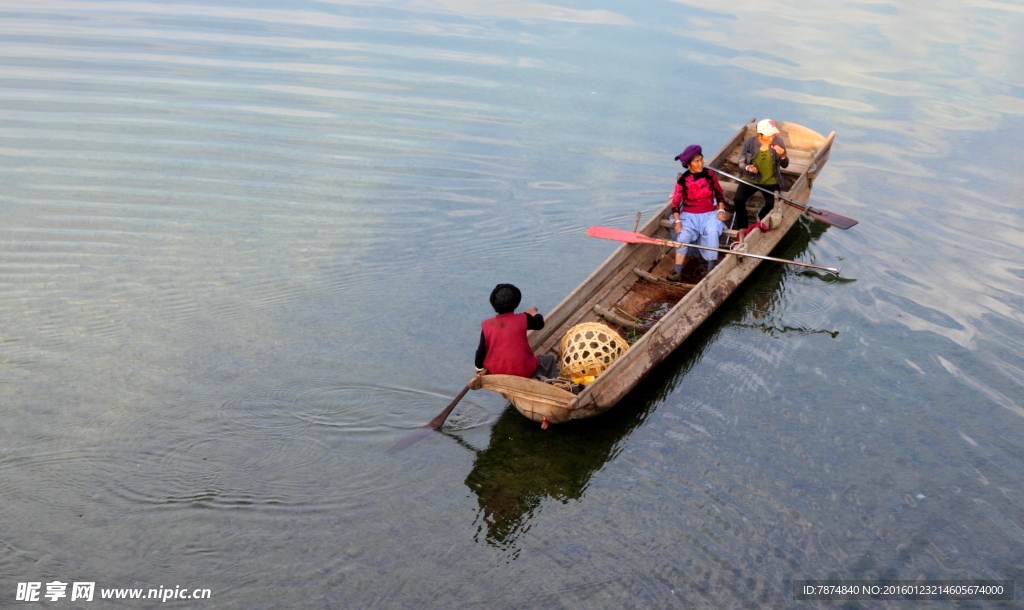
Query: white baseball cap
x: 767, y: 128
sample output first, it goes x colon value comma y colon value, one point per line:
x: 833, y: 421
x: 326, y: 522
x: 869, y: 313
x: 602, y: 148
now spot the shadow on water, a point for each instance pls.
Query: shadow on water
x: 522, y: 466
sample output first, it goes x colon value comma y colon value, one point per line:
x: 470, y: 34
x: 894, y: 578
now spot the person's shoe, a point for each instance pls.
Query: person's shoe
x: 675, y: 277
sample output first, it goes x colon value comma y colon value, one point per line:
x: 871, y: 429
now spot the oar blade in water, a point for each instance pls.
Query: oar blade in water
x: 434, y: 424
x: 417, y: 435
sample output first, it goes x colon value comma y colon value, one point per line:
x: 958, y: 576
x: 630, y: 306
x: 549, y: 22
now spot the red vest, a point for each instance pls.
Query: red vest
x: 508, y: 353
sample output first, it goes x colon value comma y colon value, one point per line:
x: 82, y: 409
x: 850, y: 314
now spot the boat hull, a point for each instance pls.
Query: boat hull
x: 628, y: 282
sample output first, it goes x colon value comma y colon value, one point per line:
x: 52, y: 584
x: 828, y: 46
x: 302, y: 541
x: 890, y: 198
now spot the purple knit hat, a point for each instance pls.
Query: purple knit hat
x: 687, y: 155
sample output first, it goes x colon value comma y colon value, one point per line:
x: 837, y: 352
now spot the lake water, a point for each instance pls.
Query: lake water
x: 246, y: 248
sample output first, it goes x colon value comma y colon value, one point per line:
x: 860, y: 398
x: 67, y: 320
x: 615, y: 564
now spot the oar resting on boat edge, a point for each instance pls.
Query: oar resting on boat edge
x: 829, y: 218
x: 630, y: 237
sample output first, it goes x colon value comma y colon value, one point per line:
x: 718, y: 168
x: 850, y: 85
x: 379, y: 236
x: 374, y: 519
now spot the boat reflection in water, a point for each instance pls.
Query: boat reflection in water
x: 524, y: 466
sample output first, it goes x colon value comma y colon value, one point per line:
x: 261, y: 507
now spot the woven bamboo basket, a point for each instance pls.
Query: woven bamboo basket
x: 587, y: 350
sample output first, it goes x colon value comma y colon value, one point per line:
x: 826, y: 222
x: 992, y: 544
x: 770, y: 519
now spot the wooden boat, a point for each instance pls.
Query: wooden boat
x: 626, y: 286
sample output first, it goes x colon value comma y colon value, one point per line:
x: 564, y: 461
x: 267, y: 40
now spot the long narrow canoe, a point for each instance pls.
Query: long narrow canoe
x: 630, y: 284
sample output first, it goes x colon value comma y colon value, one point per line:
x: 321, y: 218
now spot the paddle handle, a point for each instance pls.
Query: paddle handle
x: 829, y: 218
x: 640, y: 238
x: 786, y: 199
x: 676, y: 244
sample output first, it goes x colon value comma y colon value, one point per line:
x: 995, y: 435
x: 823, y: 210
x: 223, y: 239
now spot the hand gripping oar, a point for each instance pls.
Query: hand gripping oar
x: 421, y: 432
x: 640, y: 238
x: 829, y: 218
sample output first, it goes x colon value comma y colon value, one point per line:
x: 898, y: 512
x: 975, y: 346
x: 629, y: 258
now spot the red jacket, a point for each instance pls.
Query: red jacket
x: 697, y: 193
x: 508, y: 352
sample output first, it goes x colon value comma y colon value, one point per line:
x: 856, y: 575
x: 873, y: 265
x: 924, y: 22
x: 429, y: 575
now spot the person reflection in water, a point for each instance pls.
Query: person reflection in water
x: 503, y: 348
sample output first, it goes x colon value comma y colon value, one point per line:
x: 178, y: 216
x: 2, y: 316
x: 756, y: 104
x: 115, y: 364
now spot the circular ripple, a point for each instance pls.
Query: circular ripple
x: 695, y: 421
x: 811, y: 300
x: 352, y: 409
x: 307, y: 447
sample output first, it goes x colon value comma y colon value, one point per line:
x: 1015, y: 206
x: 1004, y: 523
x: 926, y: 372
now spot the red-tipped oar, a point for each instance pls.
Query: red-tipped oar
x: 829, y: 218
x: 639, y: 238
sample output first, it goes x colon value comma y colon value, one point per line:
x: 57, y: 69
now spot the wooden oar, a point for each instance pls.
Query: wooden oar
x: 829, y: 218
x: 639, y: 238
x: 438, y: 421
x: 422, y: 432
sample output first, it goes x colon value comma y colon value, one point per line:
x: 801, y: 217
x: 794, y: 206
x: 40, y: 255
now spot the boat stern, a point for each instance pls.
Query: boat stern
x: 534, y: 399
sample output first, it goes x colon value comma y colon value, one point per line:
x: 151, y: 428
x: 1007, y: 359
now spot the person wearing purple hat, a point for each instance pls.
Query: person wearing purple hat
x: 698, y: 210
x: 761, y: 159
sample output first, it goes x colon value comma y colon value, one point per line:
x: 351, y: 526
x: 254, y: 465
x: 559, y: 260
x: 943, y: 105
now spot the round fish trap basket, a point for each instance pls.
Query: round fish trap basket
x: 588, y: 349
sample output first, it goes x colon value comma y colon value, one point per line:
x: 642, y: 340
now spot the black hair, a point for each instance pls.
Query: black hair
x: 505, y: 298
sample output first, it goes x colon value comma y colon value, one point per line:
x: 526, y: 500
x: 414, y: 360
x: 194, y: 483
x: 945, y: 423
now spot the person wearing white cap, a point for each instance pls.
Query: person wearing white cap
x: 761, y: 161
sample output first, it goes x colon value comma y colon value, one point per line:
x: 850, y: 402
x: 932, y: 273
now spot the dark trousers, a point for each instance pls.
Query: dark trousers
x: 743, y: 192
x: 547, y: 367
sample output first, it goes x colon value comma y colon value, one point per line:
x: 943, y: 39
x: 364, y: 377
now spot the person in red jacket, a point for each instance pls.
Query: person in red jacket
x: 503, y: 348
x: 698, y: 210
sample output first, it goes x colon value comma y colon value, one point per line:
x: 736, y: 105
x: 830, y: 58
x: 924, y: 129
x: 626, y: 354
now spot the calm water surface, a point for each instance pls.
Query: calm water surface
x: 245, y: 248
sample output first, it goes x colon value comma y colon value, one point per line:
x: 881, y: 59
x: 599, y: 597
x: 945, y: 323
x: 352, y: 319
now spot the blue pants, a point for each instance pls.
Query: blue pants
x: 703, y: 227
